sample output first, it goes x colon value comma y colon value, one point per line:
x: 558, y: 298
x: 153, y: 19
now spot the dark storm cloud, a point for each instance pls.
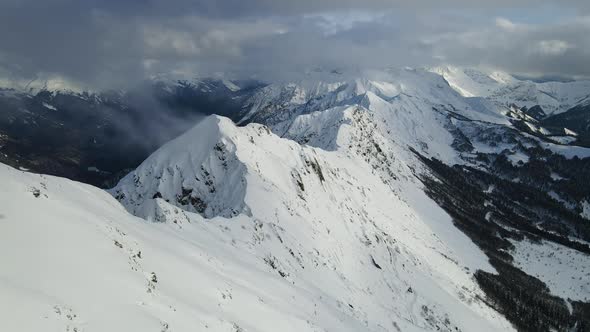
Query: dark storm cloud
x: 107, y: 43
x: 62, y: 37
x: 241, y: 8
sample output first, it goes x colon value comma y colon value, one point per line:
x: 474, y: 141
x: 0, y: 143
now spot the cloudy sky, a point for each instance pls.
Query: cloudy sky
x: 106, y: 43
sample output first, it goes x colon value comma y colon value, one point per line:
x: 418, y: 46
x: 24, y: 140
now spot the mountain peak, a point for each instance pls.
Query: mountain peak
x: 199, y: 171
x: 313, y: 214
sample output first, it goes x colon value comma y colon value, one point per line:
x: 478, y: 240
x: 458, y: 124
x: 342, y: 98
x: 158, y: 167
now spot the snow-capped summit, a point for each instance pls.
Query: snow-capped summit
x: 49, y: 83
x: 399, y: 200
x: 504, y: 89
x: 208, y: 178
x: 324, y: 221
x: 471, y: 82
x: 279, y: 102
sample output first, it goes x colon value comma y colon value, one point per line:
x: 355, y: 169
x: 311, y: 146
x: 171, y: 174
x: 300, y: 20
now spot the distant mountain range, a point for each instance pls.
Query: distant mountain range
x: 98, y: 137
x: 440, y: 199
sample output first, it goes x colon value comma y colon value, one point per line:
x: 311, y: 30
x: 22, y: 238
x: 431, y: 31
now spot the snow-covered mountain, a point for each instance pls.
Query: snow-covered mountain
x: 302, y: 170
x: 316, y: 242
x: 324, y: 221
x: 43, y: 82
x: 388, y: 202
x: 96, y: 137
x: 504, y: 89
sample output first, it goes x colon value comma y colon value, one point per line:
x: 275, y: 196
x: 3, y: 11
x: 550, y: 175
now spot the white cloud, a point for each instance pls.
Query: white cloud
x: 333, y: 23
x: 552, y: 47
x: 505, y: 23
x: 179, y: 42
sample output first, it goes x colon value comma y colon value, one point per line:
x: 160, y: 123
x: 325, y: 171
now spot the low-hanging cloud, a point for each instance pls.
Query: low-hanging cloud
x: 110, y: 43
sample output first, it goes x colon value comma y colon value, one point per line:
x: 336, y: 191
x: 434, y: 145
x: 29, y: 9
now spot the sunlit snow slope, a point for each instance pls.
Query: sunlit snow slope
x: 312, y: 217
x: 316, y: 243
x: 321, y: 223
x: 504, y: 89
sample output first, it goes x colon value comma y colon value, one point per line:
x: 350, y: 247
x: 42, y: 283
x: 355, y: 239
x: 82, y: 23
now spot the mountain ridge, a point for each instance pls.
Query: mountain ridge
x: 381, y: 204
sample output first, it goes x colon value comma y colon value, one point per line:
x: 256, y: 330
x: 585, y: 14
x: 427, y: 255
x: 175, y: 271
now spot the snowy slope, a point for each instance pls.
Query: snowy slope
x: 43, y: 82
x: 279, y: 102
x: 325, y: 222
x: 415, y: 108
x: 474, y: 83
x: 503, y: 89
x: 84, y: 264
x: 565, y: 271
x: 314, y: 220
x: 424, y: 113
